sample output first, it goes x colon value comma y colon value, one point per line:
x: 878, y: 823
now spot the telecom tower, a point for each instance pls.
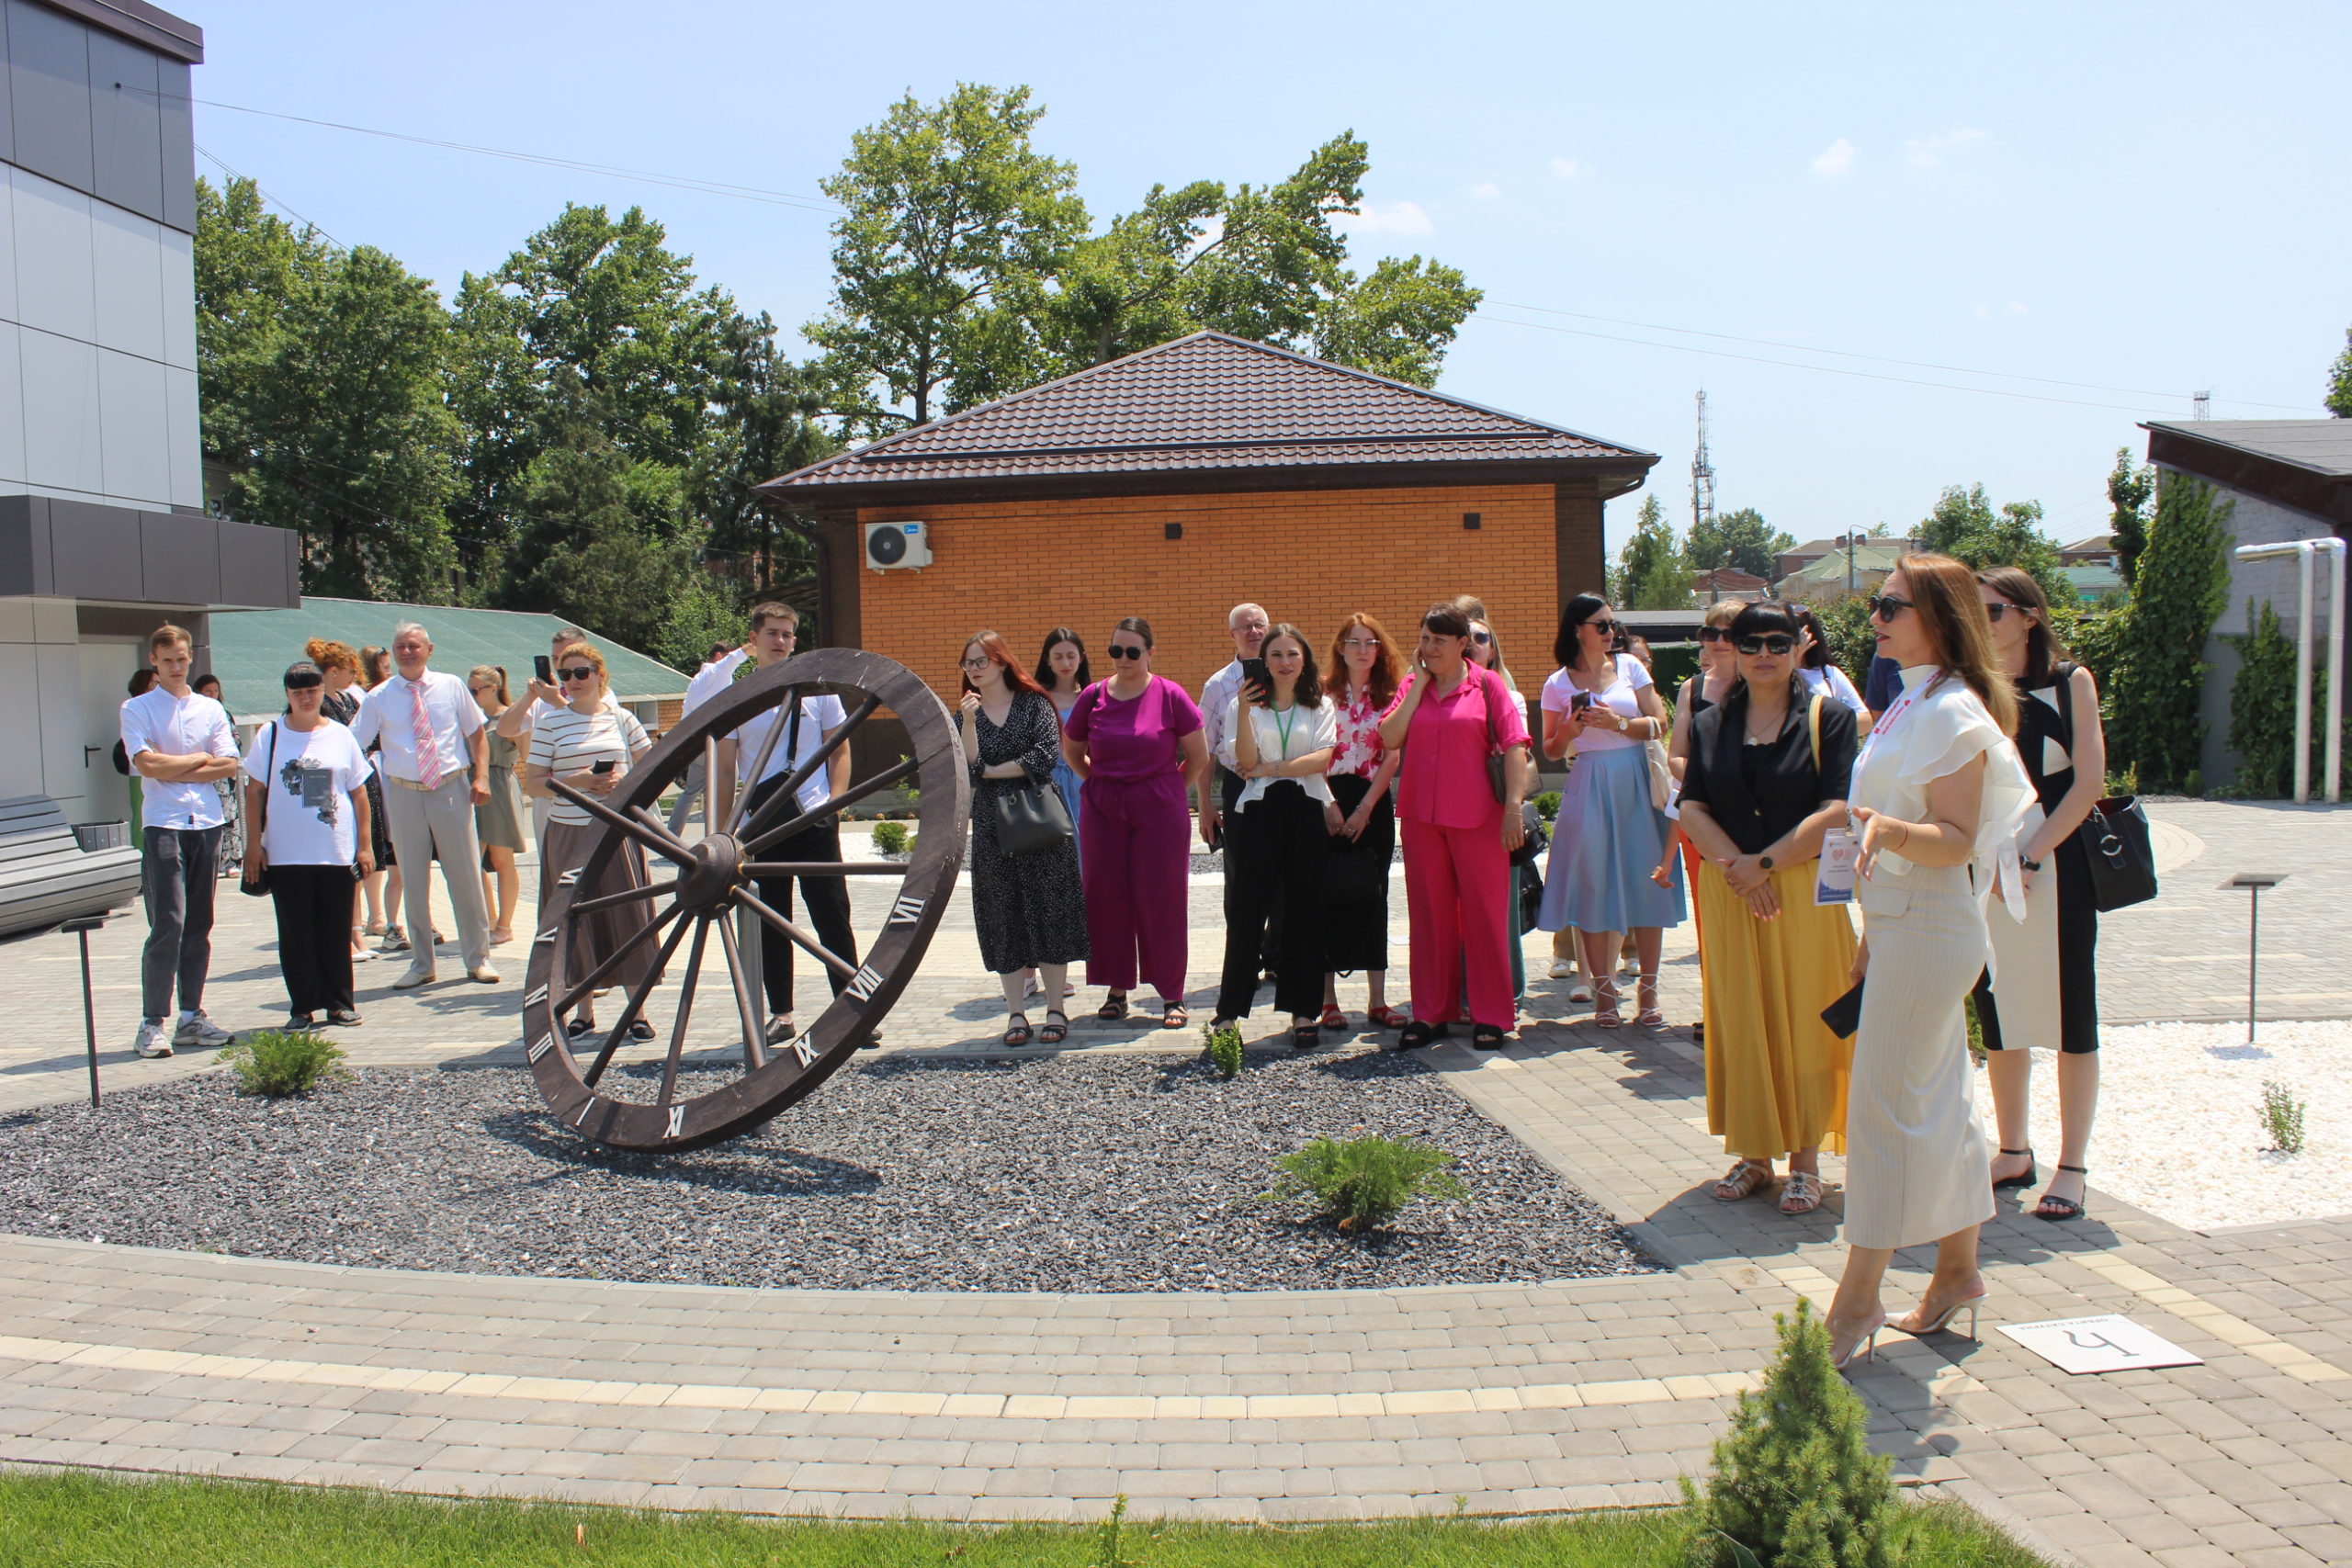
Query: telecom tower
x: 1702, y: 489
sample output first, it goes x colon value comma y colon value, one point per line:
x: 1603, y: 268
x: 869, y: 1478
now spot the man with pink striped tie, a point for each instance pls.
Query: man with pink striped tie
x: 435, y: 762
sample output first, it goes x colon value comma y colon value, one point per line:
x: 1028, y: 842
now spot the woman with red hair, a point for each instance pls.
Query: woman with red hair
x: 1030, y: 909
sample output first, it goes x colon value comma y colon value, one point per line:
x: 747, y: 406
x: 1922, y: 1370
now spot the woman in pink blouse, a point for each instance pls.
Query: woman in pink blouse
x: 1458, y: 836
x: 1366, y: 668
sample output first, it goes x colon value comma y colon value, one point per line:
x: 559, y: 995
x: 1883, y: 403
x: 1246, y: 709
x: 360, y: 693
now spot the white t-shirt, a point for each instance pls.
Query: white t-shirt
x: 308, y: 781
x: 712, y: 679
x: 1622, y: 695
x: 1832, y: 682
x: 177, y: 726
x: 818, y: 714
x: 566, y: 742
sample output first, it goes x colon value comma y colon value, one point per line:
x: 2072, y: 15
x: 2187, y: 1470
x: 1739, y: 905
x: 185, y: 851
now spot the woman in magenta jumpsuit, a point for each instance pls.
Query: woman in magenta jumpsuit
x: 1136, y: 739
x: 1458, y: 836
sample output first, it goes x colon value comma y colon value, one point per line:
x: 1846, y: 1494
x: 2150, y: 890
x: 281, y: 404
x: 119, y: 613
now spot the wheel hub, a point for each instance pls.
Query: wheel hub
x: 716, y: 871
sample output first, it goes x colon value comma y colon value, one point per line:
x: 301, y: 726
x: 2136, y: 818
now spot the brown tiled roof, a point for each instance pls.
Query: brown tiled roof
x: 1204, y: 402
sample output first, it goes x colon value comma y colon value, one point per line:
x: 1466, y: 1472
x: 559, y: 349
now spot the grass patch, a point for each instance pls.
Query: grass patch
x: 52, y: 1519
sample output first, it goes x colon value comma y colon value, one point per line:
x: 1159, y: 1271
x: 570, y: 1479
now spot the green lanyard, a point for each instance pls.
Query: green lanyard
x: 1282, y: 728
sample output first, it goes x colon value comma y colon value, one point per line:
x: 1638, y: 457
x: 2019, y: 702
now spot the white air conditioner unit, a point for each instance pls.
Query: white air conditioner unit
x: 893, y: 547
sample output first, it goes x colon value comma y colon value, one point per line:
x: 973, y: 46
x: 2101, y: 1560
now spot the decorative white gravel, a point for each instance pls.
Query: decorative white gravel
x: 2180, y: 1131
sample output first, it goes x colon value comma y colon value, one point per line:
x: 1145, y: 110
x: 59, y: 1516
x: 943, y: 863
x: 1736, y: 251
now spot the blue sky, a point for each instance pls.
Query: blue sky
x: 2147, y: 198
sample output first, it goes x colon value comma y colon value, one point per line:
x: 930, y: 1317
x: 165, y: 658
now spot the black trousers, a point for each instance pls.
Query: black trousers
x: 314, y: 904
x: 827, y: 899
x: 1355, y: 922
x: 1284, y: 842
x: 1268, y: 923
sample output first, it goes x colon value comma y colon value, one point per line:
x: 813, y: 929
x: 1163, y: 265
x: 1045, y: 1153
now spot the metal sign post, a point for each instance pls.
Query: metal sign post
x: 2254, y: 882
x: 82, y: 929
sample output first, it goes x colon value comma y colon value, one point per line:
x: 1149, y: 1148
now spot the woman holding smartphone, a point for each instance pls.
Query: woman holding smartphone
x: 591, y: 747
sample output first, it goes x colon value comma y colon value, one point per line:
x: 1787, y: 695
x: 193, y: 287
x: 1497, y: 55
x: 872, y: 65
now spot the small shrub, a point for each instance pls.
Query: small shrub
x: 2125, y: 783
x: 1547, y: 804
x: 1362, y: 1183
x: 890, y: 838
x: 1110, y: 1538
x: 1794, y: 1480
x: 280, y: 1063
x: 2282, y: 1117
x: 1224, y: 1049
x: 2193, y: 784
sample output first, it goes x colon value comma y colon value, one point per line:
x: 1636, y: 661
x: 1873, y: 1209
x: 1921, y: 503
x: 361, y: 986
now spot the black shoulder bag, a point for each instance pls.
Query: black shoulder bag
x: 1030, y: 818
x: 2114, y: 837
x: 1536, y: 839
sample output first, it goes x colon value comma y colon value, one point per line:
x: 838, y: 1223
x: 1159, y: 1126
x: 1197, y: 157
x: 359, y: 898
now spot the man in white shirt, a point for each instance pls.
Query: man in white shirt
x: 775, y: 629
x: 1248, y: 625
x: 436, y: 766
x: 717, y: 673
x: 179, y: 744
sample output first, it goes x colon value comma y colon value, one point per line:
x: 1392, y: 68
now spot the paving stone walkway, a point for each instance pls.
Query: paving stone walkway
x: 1274, y: 1406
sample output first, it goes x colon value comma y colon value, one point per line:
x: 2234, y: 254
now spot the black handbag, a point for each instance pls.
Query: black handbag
x: 2115, y: 842
x: 1354, y: 871
x: 258, y: 886
x: 1031, y: 819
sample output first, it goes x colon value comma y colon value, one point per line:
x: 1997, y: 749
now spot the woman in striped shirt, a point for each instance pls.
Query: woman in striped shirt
x: 591, y: 747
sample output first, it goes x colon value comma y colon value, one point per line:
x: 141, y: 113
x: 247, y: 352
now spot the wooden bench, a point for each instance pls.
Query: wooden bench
x: 46, y: 876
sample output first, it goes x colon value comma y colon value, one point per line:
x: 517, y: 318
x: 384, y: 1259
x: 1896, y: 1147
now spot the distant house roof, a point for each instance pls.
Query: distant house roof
x: 251, y: 649
x: 1203, y: 412
x: 1726, y: 580
x: 2093, y: 583
x: 1870, y: 556
x: 2305, y: 464
x: 2095, y: 543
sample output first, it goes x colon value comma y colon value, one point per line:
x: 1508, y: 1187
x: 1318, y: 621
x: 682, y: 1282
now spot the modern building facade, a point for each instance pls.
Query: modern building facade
x: 102, y: 527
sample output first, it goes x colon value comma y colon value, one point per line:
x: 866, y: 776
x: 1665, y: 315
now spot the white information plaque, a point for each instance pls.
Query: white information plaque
x: 2109, y: 1344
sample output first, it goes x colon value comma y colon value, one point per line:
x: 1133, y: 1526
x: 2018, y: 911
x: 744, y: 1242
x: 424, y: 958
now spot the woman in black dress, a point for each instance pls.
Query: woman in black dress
x: 1030, y: 909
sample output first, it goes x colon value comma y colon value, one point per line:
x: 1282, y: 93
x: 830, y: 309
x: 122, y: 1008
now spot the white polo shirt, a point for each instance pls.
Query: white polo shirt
x: 177, y: 726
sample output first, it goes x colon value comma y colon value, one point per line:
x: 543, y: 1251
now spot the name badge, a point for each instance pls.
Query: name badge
x: 1834, y: 882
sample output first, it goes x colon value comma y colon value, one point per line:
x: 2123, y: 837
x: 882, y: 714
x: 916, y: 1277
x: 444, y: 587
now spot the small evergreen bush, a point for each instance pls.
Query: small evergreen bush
x: 280, y: 1063
x: 2262, y: 707
x: 890, y: 838
x: 1547, y: 804
x: 2282, y: 1117
x: 1362, y: 1183
x: 1224, y: 1049
x: 1796, y: 1485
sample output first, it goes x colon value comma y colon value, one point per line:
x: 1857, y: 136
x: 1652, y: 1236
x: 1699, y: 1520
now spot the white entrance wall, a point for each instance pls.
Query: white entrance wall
x: 58, y: 697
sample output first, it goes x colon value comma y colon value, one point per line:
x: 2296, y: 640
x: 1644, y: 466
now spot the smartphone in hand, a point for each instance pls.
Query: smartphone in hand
x: 603, y: 766
x: 1253, y: 672
x: 543, y: 669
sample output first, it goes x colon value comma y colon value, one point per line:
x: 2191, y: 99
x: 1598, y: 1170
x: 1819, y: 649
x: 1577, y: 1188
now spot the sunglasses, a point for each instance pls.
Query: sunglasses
x: 1780, y: 642
x: 1606, y: 628
x: 1126, y: 651
x: 1713, y: 634
x: 1994, y: 609
x: 1886, y: 606
x: 581, y: 673
x: 1482, y: 639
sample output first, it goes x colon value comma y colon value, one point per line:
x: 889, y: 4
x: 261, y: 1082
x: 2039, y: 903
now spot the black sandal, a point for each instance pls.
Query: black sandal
x: 1306, y: 1036
x: 1418, y: 1035
x: 2051, y: 1208
x: 1113, y: 1007
x: 577, y: 1027
x: 1487, y: 1037
x: 1019, y: 1033
x: 2025, y: 1180
x: 1054, y: 1034
x: 640, y: 1029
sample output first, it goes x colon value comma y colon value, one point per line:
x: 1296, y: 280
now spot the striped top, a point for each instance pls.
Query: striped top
x: 566, y: 742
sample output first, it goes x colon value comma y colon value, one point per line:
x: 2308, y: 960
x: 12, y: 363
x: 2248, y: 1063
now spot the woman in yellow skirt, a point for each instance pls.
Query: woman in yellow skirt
x: 1767, y: 779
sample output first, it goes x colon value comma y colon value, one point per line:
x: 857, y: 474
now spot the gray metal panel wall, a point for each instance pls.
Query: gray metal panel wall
x: 177, y: 150
x: 79, y: 550
x: 7, y: 124
x: 259, y: 566
x: 179, y: 556
x: 94, y: 551
x: 126, y: 126
x: 49, y: 70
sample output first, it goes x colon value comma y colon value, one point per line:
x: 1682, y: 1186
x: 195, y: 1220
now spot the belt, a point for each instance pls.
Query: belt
x: 418, y: 785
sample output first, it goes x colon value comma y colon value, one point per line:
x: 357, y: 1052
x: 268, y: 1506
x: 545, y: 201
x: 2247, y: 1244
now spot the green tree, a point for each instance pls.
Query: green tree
x: 1651, y: 573
x: 2155, y: 681
x: 948, y: 207
x: 701, y: 614
x: 320, y: 372
x: 2262, y: 707
x: 2340, y: 381
x: 1964, y: 525
x: 1740, y: 539
x: 765, y: 422
x: 2128, y: 489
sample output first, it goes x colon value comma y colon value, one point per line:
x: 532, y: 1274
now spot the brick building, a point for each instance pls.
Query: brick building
x: 1180, y: 480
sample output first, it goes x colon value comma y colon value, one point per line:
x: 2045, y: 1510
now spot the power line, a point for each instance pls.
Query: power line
x: 267, y: 196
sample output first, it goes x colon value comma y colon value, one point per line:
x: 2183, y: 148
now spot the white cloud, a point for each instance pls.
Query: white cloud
x: 1928, y: 152
x: 1834, y: 160
x: 2016, y: 308
x: 1568, y: 169
x: 1486, y: 190
x: 1390, y: 217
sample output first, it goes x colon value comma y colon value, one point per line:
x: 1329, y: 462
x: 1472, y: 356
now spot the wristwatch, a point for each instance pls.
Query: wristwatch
x: 2029, y: 865
x: 1765, y: 861
x: 1623, y: 724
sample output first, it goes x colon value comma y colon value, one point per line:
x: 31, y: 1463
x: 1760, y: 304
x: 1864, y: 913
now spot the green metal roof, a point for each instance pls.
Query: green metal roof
x: 251, y: 649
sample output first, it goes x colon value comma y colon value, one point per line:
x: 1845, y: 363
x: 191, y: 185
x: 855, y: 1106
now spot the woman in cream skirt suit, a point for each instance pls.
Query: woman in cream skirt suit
x: 1938, y: 795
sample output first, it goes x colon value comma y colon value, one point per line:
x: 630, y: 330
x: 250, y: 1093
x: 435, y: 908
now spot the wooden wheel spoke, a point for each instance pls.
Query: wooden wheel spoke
x: 626, y: 896
x: 656, y: 839
x: 643, y: 989
x: 679, y: 850
x: 817, y: 949
x: 614, y: 959
x: 685, y: 1010
x: 784, y: 717
x: 826, y: 868
x: 790, y: 789
x: 906, y: 766
x: 755, y: 1034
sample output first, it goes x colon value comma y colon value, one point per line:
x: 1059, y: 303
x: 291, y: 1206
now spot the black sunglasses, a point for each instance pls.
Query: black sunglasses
x: 1886, y: 606
x: 1713, y: 634
x: 1482, y: 637
x: 579, y: 672
x: 1778, y: 642
x: 1994, y: 609
x: 1606, y: 628
x: 1126, y: 651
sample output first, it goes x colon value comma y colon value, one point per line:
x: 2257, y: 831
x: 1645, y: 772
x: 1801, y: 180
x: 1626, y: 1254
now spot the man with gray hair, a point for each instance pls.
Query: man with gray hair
x: 436, y: 764
x: 1246, y: 624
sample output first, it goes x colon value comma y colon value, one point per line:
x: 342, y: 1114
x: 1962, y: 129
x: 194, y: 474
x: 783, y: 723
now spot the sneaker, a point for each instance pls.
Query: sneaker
x: 198, y: 1030
x: 151, y: 1040
x: 483, y: 974
x: 343, y: 1018
x: 395, y: 941
x: 296, y: 1021
x: 779, y: 1030
x: 414, y: 978
x: 1562, y: 969
x: 363, y: 955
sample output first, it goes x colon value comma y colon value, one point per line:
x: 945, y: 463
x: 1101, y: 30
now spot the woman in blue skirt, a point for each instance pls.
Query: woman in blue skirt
x: 1610, y: 836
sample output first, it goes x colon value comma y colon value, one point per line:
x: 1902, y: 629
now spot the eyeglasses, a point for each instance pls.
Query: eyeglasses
x: 1126, y: 651
x: 1713, y: 634
x: 1358, y: 642
x: 581, y: 673
x: 982, y: 662
x: 1780, y: 642
x: 1886, y: 606
x: 1994, y: 609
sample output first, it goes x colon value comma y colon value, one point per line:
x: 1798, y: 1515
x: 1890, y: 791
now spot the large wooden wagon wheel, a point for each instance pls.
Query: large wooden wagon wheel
x: 697, y: 890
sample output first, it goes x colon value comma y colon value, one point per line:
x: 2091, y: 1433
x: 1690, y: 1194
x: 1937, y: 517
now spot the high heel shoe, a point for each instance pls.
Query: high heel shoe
x: 1942, y: 1322
x: 1607, y: 997
x: 1646, y: 993
x: 1865, y: 1342
x: 2024, y: 1180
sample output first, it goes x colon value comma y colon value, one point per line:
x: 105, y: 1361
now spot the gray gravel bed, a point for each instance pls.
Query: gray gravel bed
x: 1075, y: 1174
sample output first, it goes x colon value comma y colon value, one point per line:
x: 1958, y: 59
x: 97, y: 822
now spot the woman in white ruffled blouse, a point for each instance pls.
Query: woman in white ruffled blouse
x: 1938, y: 795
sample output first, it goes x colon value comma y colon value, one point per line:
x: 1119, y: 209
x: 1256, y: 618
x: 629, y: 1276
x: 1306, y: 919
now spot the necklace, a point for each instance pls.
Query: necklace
x: 1770, y: 734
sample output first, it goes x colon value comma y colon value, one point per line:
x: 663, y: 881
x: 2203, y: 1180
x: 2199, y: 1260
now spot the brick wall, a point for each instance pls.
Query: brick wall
x: 1310, y: 556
